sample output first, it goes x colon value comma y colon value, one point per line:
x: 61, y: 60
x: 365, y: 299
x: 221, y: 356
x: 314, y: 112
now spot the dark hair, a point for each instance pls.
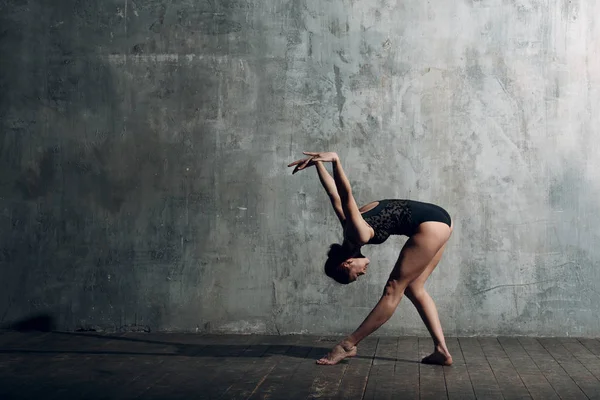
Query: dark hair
x: 335, y: 257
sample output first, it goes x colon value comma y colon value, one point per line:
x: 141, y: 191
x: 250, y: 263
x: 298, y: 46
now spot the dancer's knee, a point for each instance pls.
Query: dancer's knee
x: 394, y: 289
x: 415, y: 292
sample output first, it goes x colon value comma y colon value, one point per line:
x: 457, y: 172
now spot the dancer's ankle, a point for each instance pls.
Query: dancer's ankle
x: 348, y: 344
x: 442, y: 349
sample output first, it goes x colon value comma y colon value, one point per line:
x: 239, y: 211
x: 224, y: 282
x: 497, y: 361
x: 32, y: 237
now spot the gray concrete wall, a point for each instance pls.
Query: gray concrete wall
x: 143, y: 149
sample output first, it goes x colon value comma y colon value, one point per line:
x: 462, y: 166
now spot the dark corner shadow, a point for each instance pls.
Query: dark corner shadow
x: 40, y: 323
x: 194, y: 350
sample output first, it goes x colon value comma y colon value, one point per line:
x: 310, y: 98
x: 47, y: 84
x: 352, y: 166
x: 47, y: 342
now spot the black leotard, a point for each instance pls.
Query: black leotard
x: 401, y: 217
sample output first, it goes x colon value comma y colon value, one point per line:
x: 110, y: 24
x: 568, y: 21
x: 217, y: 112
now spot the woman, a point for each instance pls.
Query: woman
x: 428, y: 227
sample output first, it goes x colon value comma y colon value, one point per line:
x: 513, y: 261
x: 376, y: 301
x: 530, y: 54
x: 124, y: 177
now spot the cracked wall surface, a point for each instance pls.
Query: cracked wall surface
x: 143, y: 153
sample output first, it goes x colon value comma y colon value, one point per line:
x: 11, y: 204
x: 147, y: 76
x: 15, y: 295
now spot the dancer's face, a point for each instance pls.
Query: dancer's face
x: 355, y: 267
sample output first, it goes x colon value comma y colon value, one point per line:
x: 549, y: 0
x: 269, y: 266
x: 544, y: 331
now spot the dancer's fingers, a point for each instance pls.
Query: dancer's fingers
x: 296, y: 162
x: 302, y: 166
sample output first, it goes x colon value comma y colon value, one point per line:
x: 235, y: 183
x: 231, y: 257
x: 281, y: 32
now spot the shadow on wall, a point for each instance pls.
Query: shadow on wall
x: 41, y: 323
x: 96, y: 172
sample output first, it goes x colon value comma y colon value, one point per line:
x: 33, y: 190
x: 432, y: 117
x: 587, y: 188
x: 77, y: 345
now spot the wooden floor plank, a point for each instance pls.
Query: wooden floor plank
x: 40, y: 376
x: 586, y: 357
x: 133, y: 362
x: 326, y: 382
x: 210, y: 371
x: 458, y: 382
x: 21, y: 339
x: 380, y: 384
x: 508, y: 379
x: 120, y: 377
x: 406, y: 370
x: 538, y: 386
x: 92, y: 365
x: 86, y: 343
x: 562, y: 383
x: 242, y: 373
x: 185, y: 378
x: 227, y: 347
x: 303, y: 379
x: 251, y: 380
x: 180, y: 371
x: 432, y: 382
x: 586, y: 381
x: 65, y: 368
x: 8, y: 337
x: 357, y: 372
x: 275, y: 383
x: 264, y: 360
x: 593, y: 345
x: 92, y: 343
x: 482, y: 377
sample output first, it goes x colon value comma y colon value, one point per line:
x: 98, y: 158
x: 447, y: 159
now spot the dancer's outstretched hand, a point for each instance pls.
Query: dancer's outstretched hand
x: 314, y: 157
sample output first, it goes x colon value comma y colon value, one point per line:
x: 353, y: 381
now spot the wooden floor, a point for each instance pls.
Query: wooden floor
x: 187, y: 366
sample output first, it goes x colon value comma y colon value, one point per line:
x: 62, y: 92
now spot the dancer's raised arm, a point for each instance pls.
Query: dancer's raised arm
x: 329, y: 185
x: 326, y: 180
x: 355, y: 226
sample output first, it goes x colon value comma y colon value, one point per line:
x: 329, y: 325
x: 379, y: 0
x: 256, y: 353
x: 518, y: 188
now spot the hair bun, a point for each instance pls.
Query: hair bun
x: 335, y: 251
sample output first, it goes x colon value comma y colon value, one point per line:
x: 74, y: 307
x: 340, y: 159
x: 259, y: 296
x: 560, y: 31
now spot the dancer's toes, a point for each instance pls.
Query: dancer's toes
x: 337, y: 354
x: 324, y: 361
x: 438, y: 357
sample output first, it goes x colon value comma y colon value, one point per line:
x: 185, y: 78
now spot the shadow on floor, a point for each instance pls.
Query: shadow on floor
x: 181, y: 349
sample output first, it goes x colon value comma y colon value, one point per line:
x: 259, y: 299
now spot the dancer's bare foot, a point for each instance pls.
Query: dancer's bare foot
x: 438, y: 357
x: 337, y: 354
